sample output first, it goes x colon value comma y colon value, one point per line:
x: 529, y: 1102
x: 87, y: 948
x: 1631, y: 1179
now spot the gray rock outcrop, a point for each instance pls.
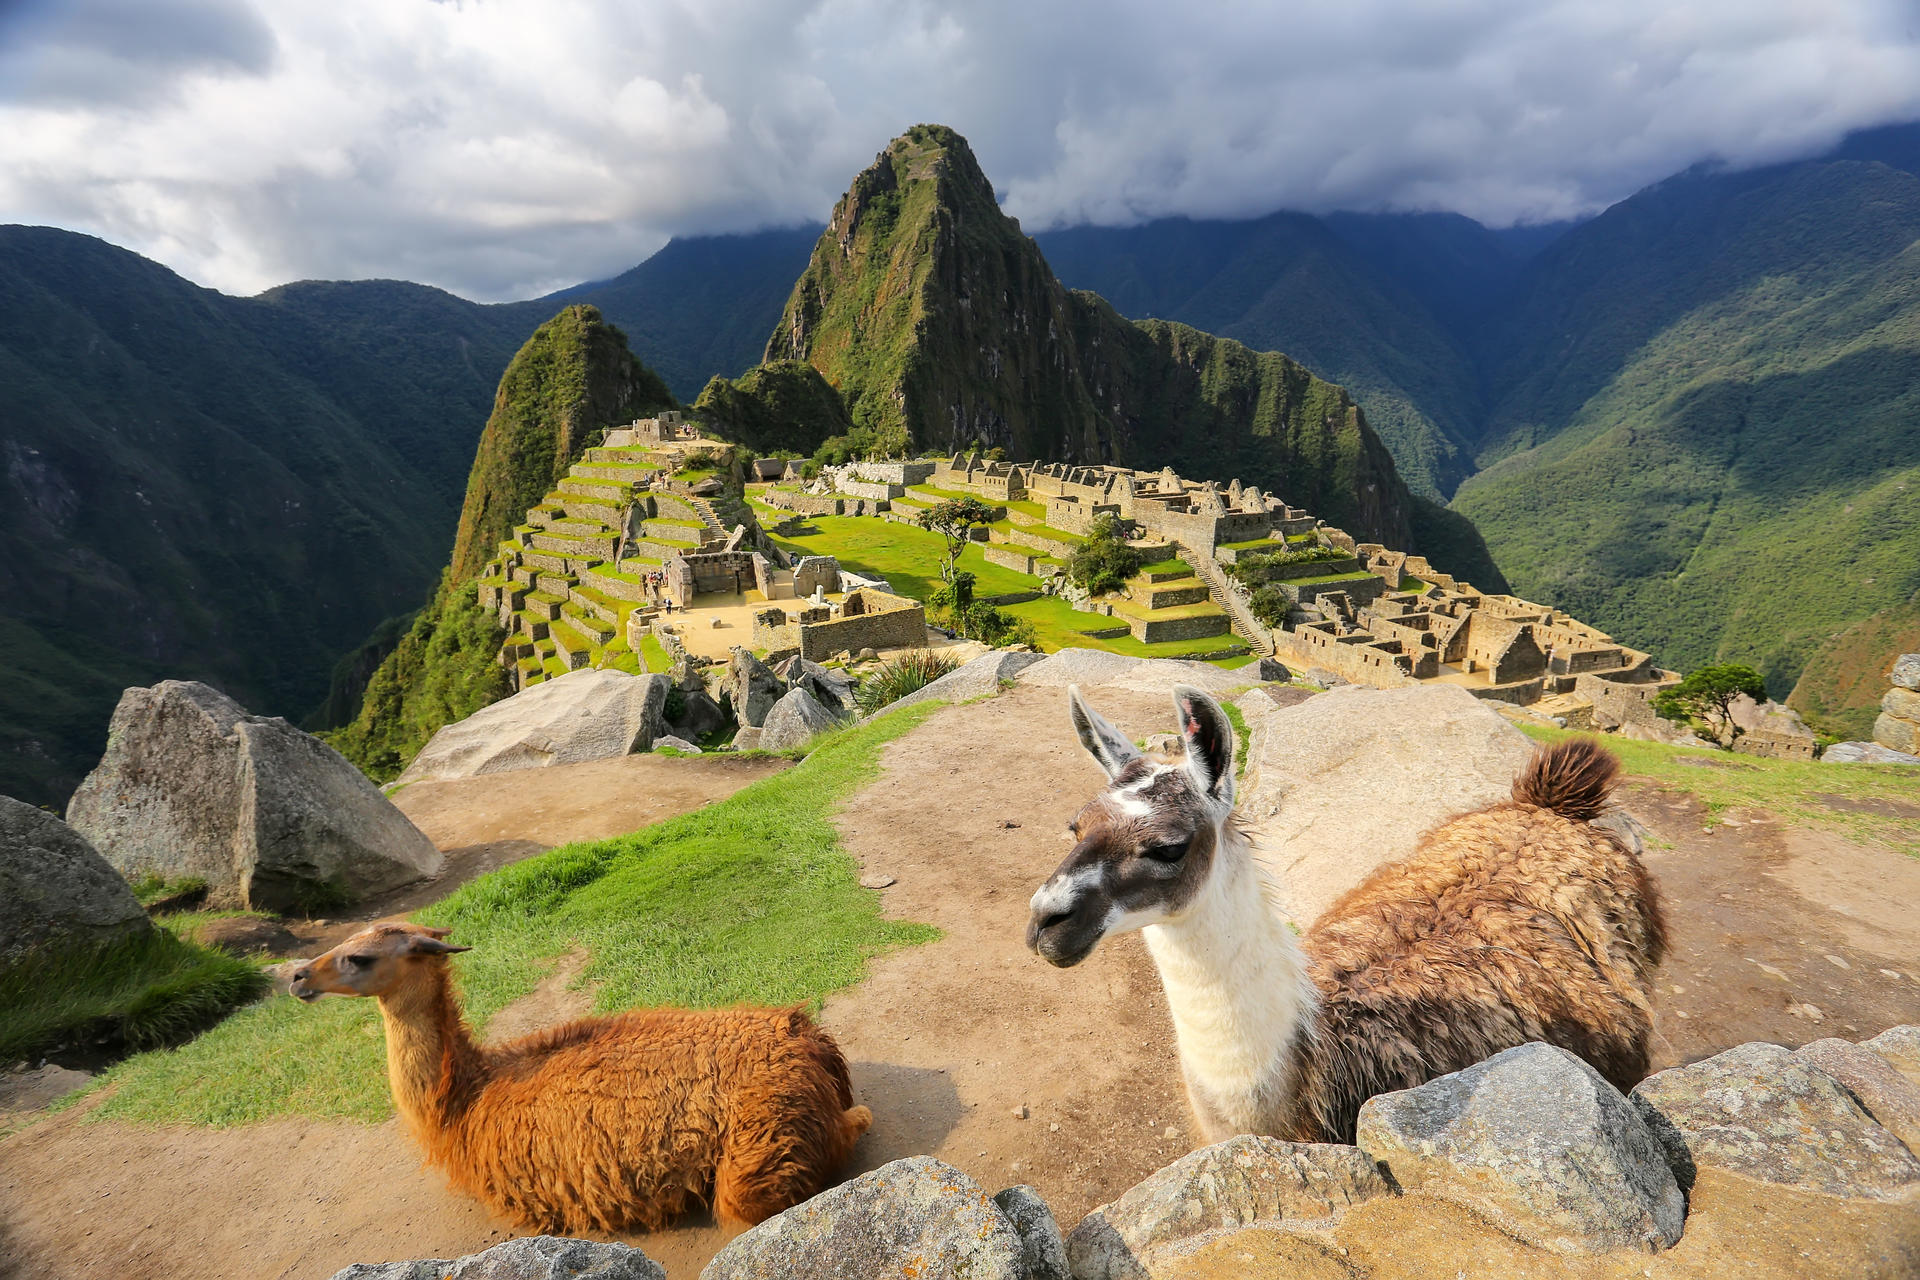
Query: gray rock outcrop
x: 751, y: 687
x: 1865, y: 753
x: 1538, y: 1142
x: 1882, y: 1092
x: 795, y: 720
x: 1759, y: 1112
x: 1901, y: 1047
x: 917, y: 1216
x: 1043, y: 1253
x: 699, y: 716
x: 1906, y: 672
x: 1897, y: 728
x: 583, y: 715
x: 56, y: 891
x: 528, y: 1258
x: 1084, y: 667
x: 979, y: 678
x: 1243, y: 1182
x: 832, y: 689
x: 1344, y: 781
x: 269, y: 816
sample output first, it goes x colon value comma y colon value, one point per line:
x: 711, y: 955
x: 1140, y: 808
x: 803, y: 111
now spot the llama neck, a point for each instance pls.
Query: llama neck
x: 432, y: 1060
x: 1237, y: 986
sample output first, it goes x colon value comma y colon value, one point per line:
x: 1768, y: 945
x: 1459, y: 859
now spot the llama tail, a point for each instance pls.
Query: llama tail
x: 1574, y: 779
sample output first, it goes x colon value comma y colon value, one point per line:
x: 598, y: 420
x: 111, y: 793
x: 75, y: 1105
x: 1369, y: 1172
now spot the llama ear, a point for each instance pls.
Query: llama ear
x: 434, y: 946
x: 1209, y: 738
x: 1106, y: 744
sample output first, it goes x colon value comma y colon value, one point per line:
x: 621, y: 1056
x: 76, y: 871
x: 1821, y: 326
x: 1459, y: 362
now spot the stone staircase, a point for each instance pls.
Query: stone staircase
x: 1221, y: 589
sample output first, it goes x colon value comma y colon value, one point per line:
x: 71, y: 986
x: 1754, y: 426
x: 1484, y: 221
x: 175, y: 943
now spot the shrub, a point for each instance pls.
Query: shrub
x: 1258, y: 566
x: 1270, y: 605
x: 1104, y: 561
x: 907, y: 673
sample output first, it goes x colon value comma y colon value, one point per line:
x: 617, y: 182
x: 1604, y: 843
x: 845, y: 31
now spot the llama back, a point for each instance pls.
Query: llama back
x: 1515, y: 923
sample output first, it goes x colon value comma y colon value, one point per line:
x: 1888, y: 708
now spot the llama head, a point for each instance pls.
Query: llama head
x: 372, y: 962
x: 1145, y: 846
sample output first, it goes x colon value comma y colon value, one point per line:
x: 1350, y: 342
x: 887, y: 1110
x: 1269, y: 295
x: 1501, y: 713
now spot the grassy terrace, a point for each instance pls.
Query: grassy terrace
x: 750, y: 900
x: 907, y: 556
x: 1026, y: 507
x: 1355, y: 576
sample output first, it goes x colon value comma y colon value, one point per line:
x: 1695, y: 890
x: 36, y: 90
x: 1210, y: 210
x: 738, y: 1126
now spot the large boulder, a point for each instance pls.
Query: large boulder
x: 1759, y: 1112
x: 1865, y: 753
x: 979, y: 678
x: 1352, y: 778
x: 1243, y: 1182
x: 1043, y: 1253
x: 1901, y: 1047
x: 1084, y: 667
x: 795, y: 721
x: 56, y: 891
x: 583, y: 715
x: 752, y: 687
x: 1538, y: 1142
x: 528, y: 1258
x: 831, y: 688
x: 268, y: 816
x: 1906, y: 672
x: 698, y: 716
x: 913, y: 1217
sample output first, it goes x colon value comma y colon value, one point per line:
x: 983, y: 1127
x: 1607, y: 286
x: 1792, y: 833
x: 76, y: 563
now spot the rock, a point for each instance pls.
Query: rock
x: 747, y: 739
x: 867, y: 655
x: 1271, y: 670
x: 1757, y: 1111
x: 1324, y: 678
x: 751, y: 687
x: 1242, y: 1182
x: 1865, y: 753
x: 795, y: 720
x: 268, y: 816
x: 698, y: 716
x: 831, y: 689
x: 1901, y: 1047
x: 1084, y: 667
x: 1897, y: 734
x: 1160, y: 675
x: 1906, y: 672
x: 913, y: 1217
x: 876, y: 880
x: 1902, y: 703
x: 1882, y: 1092
x: 979, y: 678
x: 1537, y: 1141
x: 1346, y: 780
x: 676, y: 744
x: 528, y: 1258
x: 56, y: 891
x: 1043, y: 1254
x: 583, y: 715
x: 243, y: 935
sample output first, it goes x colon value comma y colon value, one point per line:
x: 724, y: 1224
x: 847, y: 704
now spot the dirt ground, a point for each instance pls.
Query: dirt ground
x: 968, y: 1048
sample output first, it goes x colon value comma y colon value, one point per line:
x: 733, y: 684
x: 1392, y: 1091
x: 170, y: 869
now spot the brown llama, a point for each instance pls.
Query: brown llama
x: 1520, y: 922
x: 602, y: 1124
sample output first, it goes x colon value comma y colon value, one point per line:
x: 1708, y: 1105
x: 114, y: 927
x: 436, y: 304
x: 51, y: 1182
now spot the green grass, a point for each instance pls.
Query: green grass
x: 748, y: 900
x: 145, y: 991
x: 654, y: 654
x: 1059, y: 625
x: 1172, y: 564
x: 905, y: 555
x: 1869, y: 803
x: 1242, y: 736
x: 152, y: 887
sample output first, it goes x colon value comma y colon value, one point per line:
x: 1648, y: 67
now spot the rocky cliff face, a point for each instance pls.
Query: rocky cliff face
x: 941, y: 325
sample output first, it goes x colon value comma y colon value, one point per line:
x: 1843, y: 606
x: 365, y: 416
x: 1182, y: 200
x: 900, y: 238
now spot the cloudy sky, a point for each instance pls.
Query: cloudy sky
x: 500, y: 148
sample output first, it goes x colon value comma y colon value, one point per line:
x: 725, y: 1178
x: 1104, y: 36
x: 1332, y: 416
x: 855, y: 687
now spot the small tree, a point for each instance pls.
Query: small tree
x: 955, y: 520
x: 1705, y: 698
x: 1104, y: 561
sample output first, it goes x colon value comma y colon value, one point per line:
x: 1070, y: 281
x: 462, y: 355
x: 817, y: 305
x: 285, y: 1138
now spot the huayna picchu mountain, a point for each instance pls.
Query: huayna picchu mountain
x: 941, y: 326
x: 572, y: 378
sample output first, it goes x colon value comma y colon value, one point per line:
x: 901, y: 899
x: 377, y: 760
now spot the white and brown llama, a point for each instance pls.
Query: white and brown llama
x: 1516, y: 923
x: 602, y: 1124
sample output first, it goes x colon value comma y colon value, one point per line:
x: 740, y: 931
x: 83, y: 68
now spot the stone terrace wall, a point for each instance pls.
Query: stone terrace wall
x: 883, y: 622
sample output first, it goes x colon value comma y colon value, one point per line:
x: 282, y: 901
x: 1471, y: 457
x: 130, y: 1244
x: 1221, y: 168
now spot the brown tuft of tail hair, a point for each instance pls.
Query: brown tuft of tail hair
x: 1574, y: 779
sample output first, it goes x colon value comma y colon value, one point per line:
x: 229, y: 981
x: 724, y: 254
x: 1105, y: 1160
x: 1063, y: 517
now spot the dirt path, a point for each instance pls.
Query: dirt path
x: 949, y: 1041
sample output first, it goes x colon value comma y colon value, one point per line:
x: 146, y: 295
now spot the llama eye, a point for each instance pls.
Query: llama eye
x: 1165, y: 852
x: 356, y: 962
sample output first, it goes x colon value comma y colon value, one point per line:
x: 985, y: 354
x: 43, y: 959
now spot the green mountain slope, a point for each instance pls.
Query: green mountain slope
x: 702, y: 306
x: 572, y: 378
x: 1289, y: 283
x: 1706, y: 431
x: 941, y: 325
x: 181, y: 496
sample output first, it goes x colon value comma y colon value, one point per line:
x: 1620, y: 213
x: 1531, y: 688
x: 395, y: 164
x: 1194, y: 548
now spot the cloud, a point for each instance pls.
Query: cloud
x: 504, y: 147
